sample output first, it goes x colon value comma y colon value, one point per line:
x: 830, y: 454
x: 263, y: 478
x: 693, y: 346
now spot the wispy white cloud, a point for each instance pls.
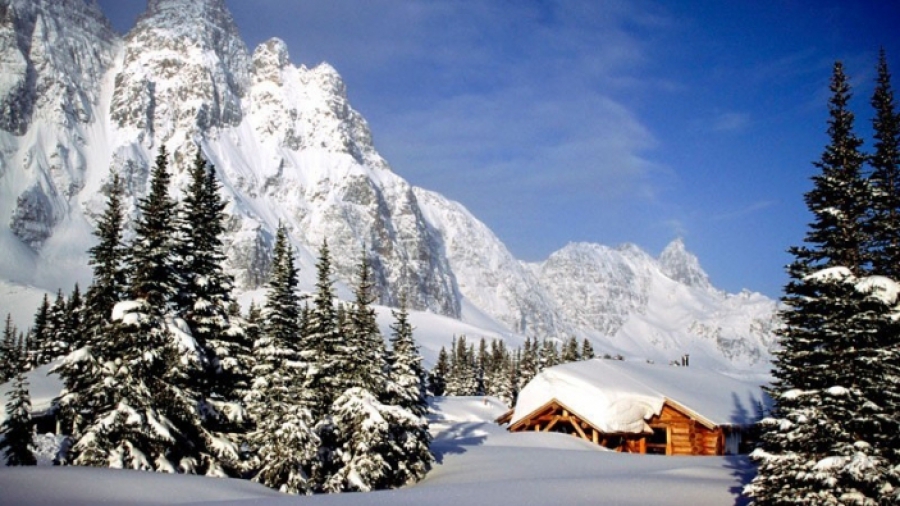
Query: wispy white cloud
x: 745, y: 211
x: 730, y: 122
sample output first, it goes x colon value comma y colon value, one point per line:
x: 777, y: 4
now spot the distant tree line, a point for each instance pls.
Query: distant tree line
x: 497, y: 370
x: 163, y: 372
x: 834, y: 437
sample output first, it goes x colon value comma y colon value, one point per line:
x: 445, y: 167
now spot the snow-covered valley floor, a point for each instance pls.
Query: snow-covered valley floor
x: 479, y: 463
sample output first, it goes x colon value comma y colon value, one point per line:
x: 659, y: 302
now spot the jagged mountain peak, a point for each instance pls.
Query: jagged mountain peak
x: 185, y: 70
x: 683, y: 266
x: 58, y: 46
x: 288, y: 147
x: 269, y: 60
x: 206, y: 10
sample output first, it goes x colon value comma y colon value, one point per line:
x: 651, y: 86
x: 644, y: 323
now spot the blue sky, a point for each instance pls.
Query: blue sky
x: 601, y: 121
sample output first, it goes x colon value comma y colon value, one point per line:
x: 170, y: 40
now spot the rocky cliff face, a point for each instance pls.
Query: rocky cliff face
x: 78, y: 102
x: 53, y: 55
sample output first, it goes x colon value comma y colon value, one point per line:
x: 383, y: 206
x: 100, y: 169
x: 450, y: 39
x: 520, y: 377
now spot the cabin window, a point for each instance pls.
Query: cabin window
x: 659, y: 441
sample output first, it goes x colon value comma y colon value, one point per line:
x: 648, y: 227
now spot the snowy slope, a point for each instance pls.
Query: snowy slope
x: 478, y: 463
x: 78, y: 101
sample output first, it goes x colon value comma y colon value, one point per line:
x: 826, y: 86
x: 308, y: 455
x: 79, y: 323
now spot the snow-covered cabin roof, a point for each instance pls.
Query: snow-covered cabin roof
x: 620, y: 396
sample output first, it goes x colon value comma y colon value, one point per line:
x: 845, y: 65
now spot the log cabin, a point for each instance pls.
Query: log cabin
x: 642, y: 408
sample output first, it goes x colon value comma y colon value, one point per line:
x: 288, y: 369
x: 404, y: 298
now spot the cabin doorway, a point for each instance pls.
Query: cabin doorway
x: 658, y: 442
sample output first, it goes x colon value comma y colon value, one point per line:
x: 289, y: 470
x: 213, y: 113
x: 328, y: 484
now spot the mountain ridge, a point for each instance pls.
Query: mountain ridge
x: 288, y: 147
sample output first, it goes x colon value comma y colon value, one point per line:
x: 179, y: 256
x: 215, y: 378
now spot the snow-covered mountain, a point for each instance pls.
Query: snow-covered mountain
x: 78, y: 102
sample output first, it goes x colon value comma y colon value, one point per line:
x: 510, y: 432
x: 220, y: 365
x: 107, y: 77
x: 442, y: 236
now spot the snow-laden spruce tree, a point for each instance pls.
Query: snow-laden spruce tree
x: 204, y: 301
x: 367, y: 368
x: 406, y: 376
x: 134, y: 394
x: 9, y: 352
x: 883, y: 224
x: 58, y: 333
x: 461, y: 380
x: 437, y: 377
x: 548, y: 355
x: 501, y: 379
x: 283, y: 443
x: 587, y: 350
x: 381, y: 446
x: 16, y: 434
x: 82, y: 367
x: 529, y: 365
x: 324, y: 338
x: 813, y: 451
x: 154, y: 276
x: 39, y: 334
x: 570, y: 351
x: 406, y: 390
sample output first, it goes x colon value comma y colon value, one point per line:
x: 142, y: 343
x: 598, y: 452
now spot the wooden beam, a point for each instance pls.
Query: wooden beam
x: 552, y: 423
x: 579, y: 429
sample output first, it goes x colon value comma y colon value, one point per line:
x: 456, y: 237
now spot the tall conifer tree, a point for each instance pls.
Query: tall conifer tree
x: 367, y: 354
x: 884, y: 220
x: 16, y: 435
x: 406, y: 385
x: 153, y: 274
x: 58, y: 334
x: 9, y: 356
x: 324, y: 335
x: 80, y: 371
x: 205, y: 298
x: 133, y: 390
x: 283, y: 440
x: 811, y: 449
x: 40, y: 334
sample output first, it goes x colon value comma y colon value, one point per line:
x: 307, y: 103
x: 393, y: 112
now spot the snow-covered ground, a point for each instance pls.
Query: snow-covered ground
x: 478, y: 463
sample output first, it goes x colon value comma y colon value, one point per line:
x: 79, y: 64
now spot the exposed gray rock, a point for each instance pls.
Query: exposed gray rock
x: 33, y: 218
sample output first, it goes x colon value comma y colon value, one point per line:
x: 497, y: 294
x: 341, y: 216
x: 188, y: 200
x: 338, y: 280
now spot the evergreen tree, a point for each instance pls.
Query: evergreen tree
x: 462, y: 380
x: 587, y: 350
x: 41, y: 335
x: 839, y: 197
x: 367, y: 362
x: 482, y: 366
x: 501, y: 379
x: 131, y: 392
x: 74, y: 320
x: 154, y: 276
x: 205, y: 301
x: 17, y: 435
x: 323, y: 334
x: 57, y: 336
x: 884, y: 219
x: 285, y: 445
x: 83, y: 369
x: 137, y: 413
x: 253, y: 323
x: 570, y: 351
x: 406, y: 385
x: 437, y: 378
x: 811, y: 449
x: 9, y: 356
x: 380, y: 446
x: 529, y: 365
x: 107, y: 259
x: 549, y: 354
x: 511, y: 387
x: 283, y: 440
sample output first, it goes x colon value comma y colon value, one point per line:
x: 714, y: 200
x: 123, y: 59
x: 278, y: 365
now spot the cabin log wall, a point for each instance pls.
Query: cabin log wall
x: 685, y: 435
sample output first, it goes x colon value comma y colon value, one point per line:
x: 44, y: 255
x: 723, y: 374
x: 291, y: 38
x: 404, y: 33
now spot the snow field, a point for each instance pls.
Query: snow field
x: 478, y: 463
